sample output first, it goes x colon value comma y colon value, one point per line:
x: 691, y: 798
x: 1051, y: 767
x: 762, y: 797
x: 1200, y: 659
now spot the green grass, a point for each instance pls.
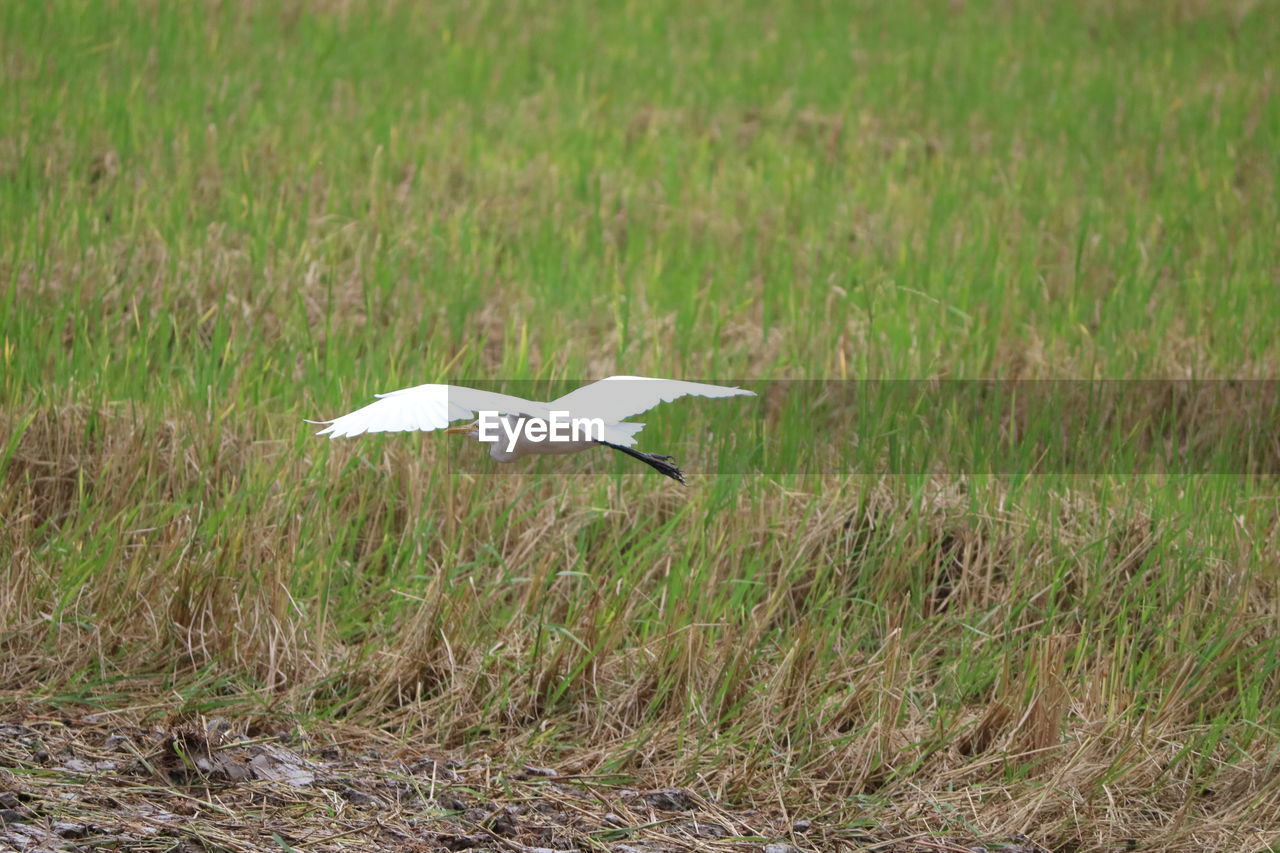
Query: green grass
x: 220, y: 219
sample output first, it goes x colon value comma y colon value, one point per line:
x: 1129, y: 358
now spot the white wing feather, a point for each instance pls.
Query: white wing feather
x: 619, y: 397
x: 431, y: 407
x: 427, y: 407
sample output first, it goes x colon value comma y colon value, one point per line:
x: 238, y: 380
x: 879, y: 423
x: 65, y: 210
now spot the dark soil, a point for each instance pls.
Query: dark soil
x: 96, y: 782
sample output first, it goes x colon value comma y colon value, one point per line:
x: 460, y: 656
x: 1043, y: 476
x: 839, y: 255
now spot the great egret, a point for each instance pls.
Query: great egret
x: 591, y: 416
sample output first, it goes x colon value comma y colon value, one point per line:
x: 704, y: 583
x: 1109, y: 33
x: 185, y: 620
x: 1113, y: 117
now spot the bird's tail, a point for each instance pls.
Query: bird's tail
x: 663, y: 464
x: 624, y: 432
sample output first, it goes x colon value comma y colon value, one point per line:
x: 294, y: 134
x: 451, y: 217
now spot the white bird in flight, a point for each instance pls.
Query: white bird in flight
x: 593, y: 415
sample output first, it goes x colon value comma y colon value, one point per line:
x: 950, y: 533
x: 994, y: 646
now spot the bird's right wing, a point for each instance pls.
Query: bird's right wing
x: 427, y: 407
x: 619, y: 397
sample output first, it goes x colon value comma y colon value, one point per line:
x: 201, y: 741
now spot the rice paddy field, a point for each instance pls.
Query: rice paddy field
x: 220, y: 218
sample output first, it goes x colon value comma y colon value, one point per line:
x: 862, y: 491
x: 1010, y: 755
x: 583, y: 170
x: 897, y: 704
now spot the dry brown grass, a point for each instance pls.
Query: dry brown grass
x: 798, y: 701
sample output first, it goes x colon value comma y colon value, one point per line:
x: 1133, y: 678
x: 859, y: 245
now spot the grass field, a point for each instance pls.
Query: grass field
x: 217, y: 219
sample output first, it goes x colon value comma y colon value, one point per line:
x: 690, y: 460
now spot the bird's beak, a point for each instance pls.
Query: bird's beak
x: 461, y: 430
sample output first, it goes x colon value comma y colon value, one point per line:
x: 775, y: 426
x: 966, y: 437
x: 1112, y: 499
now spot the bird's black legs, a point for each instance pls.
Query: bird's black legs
x: 663, y: 464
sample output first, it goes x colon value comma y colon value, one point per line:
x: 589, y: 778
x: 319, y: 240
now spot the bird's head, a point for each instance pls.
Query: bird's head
x: 472, y: 429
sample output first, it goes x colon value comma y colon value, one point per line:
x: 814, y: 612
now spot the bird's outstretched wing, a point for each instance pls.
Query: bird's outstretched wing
x: 427, y: 407
x: 619, y: 397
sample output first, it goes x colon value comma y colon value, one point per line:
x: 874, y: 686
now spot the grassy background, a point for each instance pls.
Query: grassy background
x: 220, y: 218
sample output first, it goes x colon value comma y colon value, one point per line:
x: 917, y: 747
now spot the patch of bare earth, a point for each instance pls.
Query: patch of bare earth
x: 106, y: 781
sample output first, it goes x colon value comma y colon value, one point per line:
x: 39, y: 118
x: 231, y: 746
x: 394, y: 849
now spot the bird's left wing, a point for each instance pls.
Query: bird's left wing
x: 427, y: 407
x: 619, y: 397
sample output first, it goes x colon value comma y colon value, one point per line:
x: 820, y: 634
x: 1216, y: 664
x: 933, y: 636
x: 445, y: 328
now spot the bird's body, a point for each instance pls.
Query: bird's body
x: 591, y: 416
x: 524, y: 446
